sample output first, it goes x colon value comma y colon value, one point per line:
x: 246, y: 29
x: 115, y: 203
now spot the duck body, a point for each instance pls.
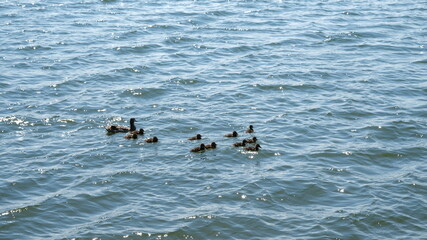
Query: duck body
x: 117, y: 129
x: 152, y: 140
x: 199, y: 149
x: 251, y: 140
x: 240, y: 144
x: 211, y: 146
x: 131, y: 136
x: 197, y: 137
x: 250, y: 129
x: 253, y: 149
x: 233, y: 134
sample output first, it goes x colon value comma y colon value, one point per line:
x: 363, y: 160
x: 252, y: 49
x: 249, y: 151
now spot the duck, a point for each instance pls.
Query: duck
x: 256, y: 148
x: 152, y: 140
x: 211, y: 146
x: 116, y: 129
x: 197, y: 137
x: 240, y: 144
x: 233, y: 134
x: 131, y: 136
x: 251, y: 140
x: 138, y: 132
x: 199, y: 149
x: 250, y: 129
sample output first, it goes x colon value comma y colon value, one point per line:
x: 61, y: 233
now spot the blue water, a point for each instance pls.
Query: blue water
x: 336, y: 91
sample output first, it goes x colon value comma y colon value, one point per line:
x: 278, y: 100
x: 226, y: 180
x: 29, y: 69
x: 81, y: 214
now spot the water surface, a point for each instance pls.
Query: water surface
x: 336, y: 91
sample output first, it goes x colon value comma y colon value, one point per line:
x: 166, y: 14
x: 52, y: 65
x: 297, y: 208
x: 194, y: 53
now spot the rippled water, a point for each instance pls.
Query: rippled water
x: 336, y: 91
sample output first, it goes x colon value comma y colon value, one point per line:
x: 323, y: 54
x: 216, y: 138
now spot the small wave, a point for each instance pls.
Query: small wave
x: 287, y: 42
x: 136, y: 49
x: 13, y: 120
x: 280, y: 87
x: 132, y: 69
x: 33, y: 47
x: 421, y: 61
x: 161, y: 26
x: 240, y: 49
x: 68, y: 84
x: 144, y: 92
x: 180, y: 39
x: 183, y: 81
x: 22, y: 65
x: 219, y: 13
x: 350, y: 13
x: 82, y: 24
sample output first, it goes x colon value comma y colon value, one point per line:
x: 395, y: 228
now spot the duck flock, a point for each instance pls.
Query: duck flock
x: 133, y: 134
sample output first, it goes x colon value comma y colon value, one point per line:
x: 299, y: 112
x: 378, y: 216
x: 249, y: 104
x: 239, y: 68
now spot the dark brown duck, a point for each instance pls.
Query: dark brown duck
x: 197, y: 137
x: 131, y: 136
x: 250, y: 129
x: 138, y: 132
x: 240, y: 144
x: 211, y: 146
x: 251, y: 140
x: 256, y: 148
x: 199, y: 149
x: 233, y: 134
x: 152, y: 140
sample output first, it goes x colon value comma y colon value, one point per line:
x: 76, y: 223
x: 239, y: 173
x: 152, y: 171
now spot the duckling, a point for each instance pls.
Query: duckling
x: 152, y: 140
x: 211, y: 146
x: 139, y: 132
x: 256, y: 148
x: 197, y: 137
x: 240, y: 144
x: 116, y: 129
x: 199, y: 149
x: 233, y: 134
x: 250, y: 129
x: 131, y: 136
x: 251, y: 140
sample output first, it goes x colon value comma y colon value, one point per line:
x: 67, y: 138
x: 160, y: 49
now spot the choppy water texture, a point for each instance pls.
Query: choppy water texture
x: 336, y: 91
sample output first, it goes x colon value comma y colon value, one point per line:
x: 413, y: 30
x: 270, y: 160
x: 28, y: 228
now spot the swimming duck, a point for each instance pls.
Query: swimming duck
x: 152, y: 140
x: 197, y: 137
x: 250, y: 129
x: 256, y: 148
x: 199, y: 149
x: 131, y: 136
x: 211, y: 146
x: 139, y: 132
x: 233, y: 134
x: 116, y: 129
x: 240, y: 144
x: 251, y: 140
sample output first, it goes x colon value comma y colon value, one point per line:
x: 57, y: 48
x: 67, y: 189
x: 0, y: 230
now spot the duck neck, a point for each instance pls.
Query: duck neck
x: 132, y: 126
